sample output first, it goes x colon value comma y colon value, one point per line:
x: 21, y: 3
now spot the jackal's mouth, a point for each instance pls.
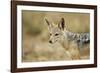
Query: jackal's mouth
x: 51, y: 42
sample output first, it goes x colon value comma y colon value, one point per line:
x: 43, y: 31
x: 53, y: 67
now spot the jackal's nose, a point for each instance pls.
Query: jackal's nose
x: 50, y: 41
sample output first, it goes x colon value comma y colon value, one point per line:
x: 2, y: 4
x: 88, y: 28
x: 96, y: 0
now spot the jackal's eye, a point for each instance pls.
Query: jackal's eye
x: 50, y: 34
x: 56, y: 34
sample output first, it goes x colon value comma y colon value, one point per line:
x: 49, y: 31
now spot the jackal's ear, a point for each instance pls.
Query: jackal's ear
x: 61, y: 25
x: 49, y: 24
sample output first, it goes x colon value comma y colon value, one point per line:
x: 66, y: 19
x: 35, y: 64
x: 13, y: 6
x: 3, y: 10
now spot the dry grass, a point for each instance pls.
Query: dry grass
x: 43, y: 51
x: 36, y: 50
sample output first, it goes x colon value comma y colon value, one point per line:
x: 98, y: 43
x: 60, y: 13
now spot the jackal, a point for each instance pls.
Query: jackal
x: 71, y: 41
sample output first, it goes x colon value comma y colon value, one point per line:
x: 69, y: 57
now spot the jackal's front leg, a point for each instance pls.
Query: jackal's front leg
x: 74, y: 51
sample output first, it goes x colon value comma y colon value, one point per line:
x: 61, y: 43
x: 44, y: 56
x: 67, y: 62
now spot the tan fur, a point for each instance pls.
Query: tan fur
x: 71, y: 47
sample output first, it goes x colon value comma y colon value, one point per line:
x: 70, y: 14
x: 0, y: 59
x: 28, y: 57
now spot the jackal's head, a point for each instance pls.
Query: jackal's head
x: 56, y: 32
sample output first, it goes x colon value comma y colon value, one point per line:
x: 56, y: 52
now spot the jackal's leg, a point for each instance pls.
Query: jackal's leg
x: 74, y: 50
x: 69, y: 54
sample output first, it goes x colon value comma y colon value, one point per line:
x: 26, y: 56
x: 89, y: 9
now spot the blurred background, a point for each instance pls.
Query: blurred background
x: 36, y: 34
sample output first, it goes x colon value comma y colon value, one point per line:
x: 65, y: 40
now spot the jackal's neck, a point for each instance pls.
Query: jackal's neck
x: 64, y: 40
